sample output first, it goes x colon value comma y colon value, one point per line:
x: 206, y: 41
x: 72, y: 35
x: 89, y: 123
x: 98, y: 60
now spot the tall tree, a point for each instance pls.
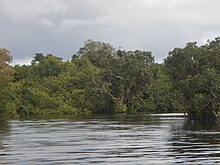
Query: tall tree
x: 5, y: 59
x: 195, y: 73
x: 5, y: 73
x: 126, y: 72
x: 98, y: 53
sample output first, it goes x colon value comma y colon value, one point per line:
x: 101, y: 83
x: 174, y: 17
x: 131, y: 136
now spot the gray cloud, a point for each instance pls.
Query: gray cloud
x: 60, y: 27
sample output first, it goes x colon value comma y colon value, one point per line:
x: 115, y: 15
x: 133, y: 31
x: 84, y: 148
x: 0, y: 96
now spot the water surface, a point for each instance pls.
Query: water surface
x: 118, y: 139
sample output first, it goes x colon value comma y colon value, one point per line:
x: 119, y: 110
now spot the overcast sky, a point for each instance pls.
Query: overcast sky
x: 60, y: 27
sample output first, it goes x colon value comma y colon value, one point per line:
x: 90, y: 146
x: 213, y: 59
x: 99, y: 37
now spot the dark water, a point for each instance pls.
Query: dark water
x: 122, y: 139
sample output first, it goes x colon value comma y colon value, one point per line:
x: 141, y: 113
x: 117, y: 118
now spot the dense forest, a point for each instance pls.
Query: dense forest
x: 102, y: 79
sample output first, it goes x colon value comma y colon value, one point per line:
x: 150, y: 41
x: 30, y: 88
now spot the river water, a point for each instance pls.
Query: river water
x: 118, y: 139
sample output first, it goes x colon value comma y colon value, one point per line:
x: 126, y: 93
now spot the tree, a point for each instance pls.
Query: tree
x: 5, y: 73
x: 159, y: 95
x: 182, y: 63
x: 130, y: 76
x: 91, y: 91
x: 195, y: 72
x: 98, y: 53
x: 5, y: 68
x: 126, y: 72
x: 38, y: 58
x: 49, y: 65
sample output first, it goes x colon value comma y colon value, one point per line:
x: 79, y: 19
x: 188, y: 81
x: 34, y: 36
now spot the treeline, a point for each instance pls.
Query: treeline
x: 102, y: 79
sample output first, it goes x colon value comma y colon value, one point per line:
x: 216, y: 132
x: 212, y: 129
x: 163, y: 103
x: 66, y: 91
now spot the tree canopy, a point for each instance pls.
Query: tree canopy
x: 195, y: 73
x: 102, y: 79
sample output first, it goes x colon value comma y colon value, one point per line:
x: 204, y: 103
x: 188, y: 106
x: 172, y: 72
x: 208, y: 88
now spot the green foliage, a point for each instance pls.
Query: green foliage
x: 5, y: 75
x: 101, y: 79
x: 98, y: 53
x: 48, y: 66
x: 130, y: 77
x: 124, y: 75
x: 51, y: 86
x: 195, y: 73
x: 160, y: 93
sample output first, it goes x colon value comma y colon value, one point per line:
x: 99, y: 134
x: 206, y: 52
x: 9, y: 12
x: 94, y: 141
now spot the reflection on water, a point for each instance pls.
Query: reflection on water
x: 4, y: 131
x: 197, y: 143
x: 120, y: 139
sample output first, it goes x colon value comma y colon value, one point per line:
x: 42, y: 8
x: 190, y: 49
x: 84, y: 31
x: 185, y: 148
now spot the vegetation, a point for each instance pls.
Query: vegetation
x: 195, y: 73
x: 101, y: 79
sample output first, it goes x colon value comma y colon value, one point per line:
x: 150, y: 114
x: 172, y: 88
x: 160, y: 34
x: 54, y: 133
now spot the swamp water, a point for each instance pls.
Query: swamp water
x: 118, y: 139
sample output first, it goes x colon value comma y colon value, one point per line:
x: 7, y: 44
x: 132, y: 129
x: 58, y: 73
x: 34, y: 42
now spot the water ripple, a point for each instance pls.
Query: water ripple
x: 155, y: 139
